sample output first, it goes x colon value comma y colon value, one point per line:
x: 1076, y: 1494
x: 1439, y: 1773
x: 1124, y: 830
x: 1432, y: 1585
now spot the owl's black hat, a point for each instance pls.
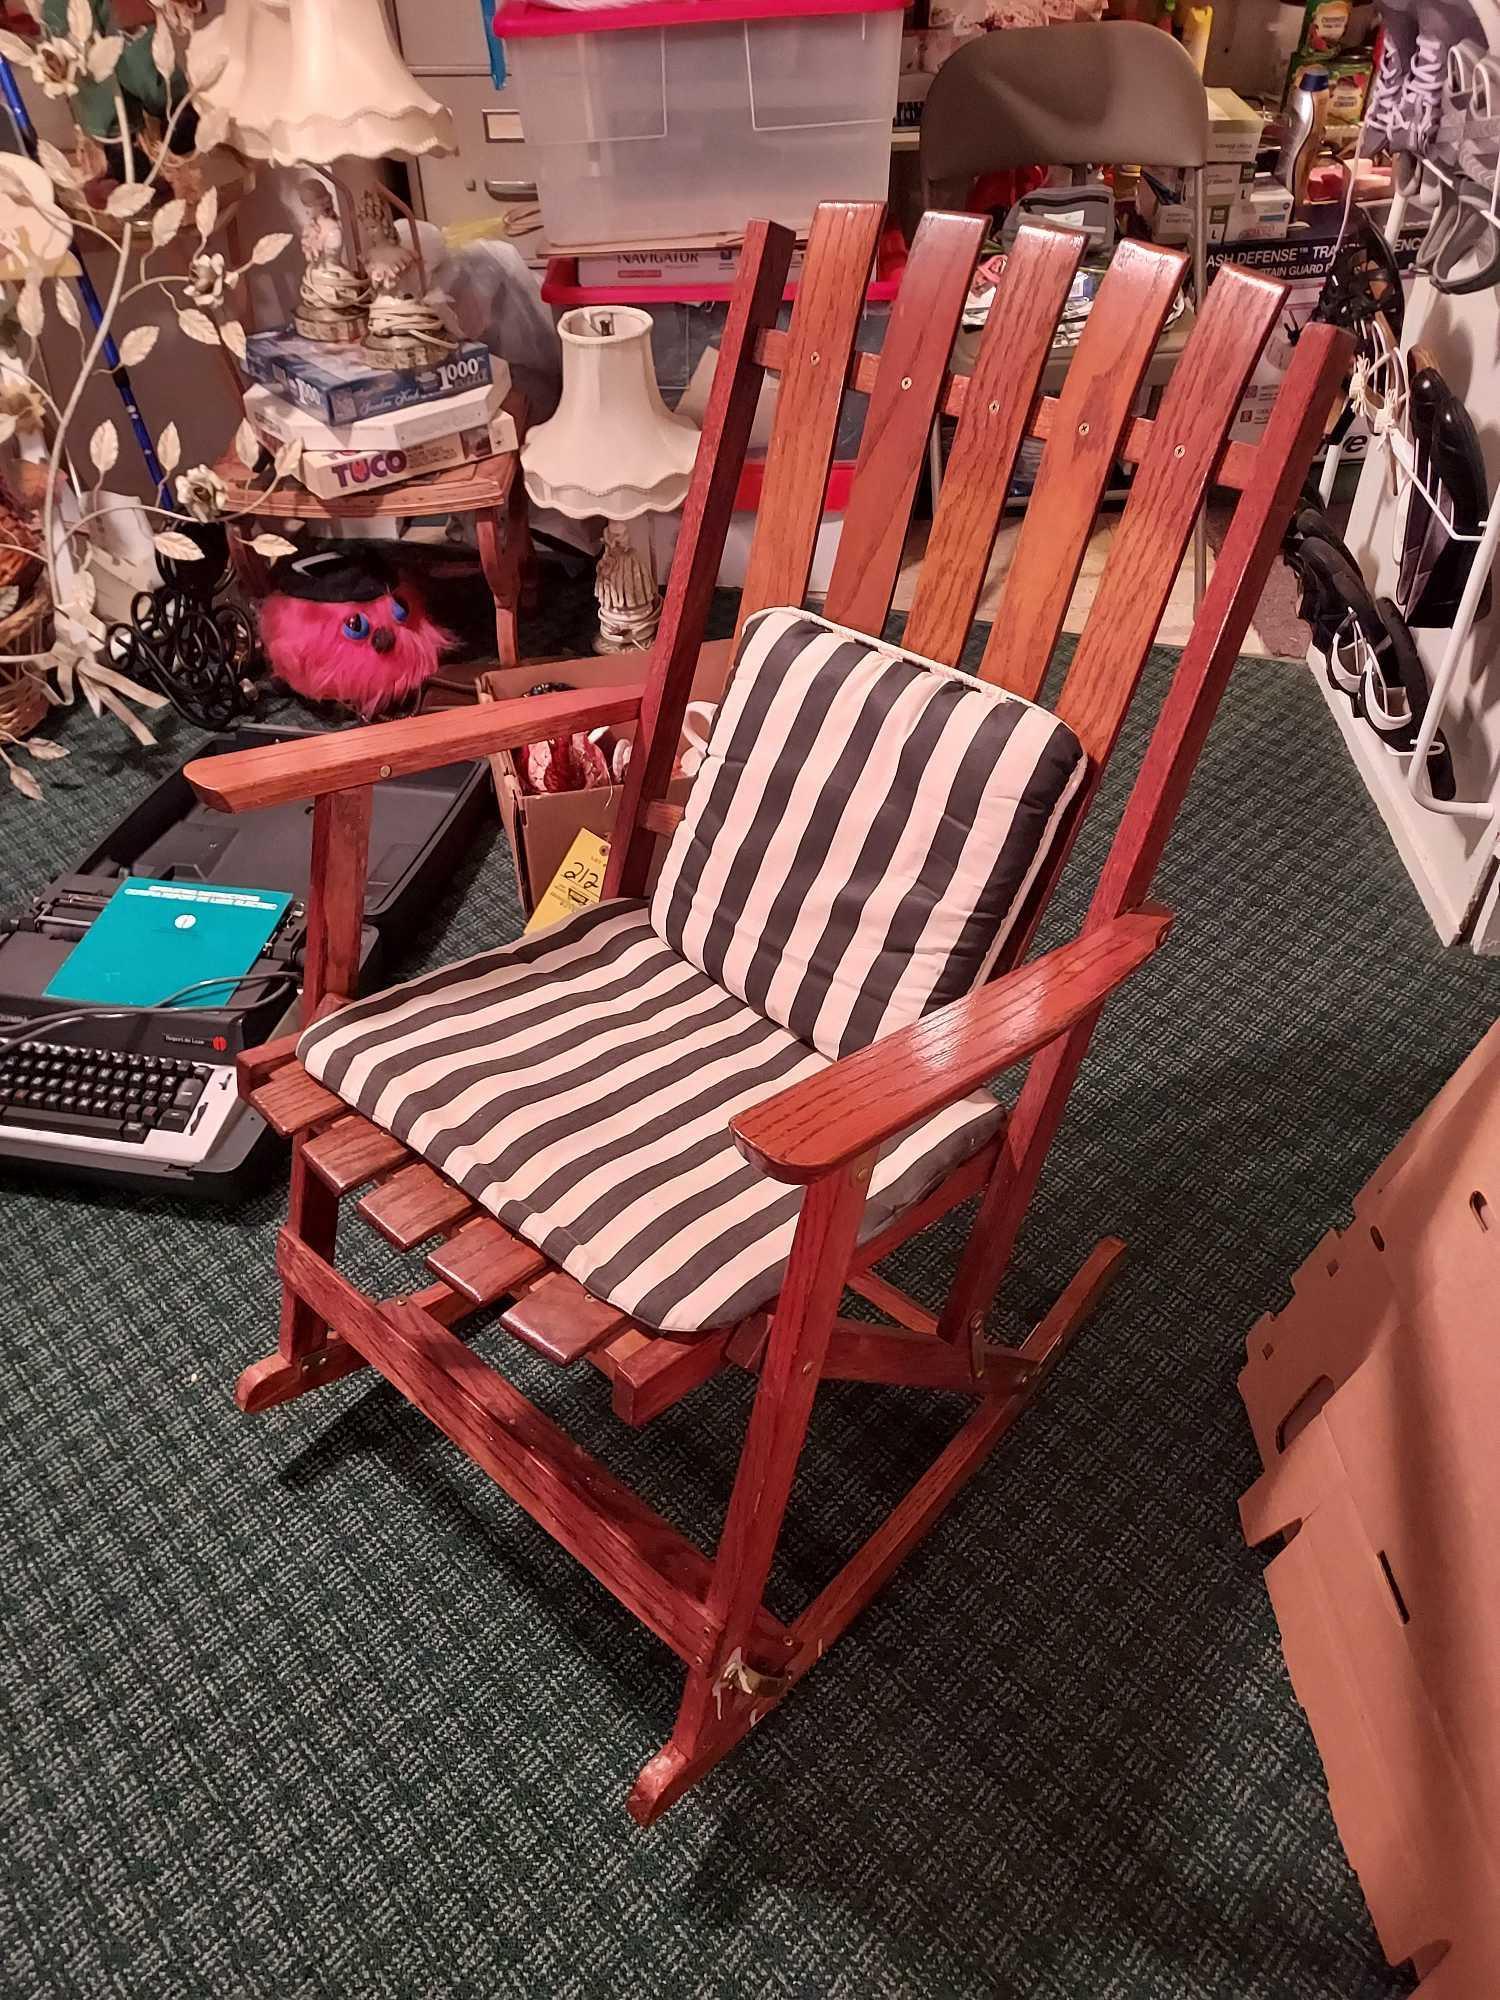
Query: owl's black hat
x: 351, y: 573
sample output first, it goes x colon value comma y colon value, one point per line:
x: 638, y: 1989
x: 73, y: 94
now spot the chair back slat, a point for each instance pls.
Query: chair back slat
x: 893, y: 448
x: 706, y: 514
x: 830, y: 297
x: 997, y: 407
x: 1093, y: 412
x: 1236, y: 467
x: 1313, y: 382
x: 1170, y: 486
x: 1244, y: 562
x: 1147, y: 547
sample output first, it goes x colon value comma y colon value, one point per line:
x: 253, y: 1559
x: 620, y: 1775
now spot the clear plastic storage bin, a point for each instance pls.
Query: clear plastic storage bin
x: 671, y: 120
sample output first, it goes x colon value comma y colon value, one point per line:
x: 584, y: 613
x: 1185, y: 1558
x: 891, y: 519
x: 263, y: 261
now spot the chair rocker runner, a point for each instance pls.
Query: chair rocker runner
x: 667, y: 1134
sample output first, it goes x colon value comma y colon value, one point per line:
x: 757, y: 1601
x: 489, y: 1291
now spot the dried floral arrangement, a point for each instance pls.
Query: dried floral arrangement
x: 140, y: 179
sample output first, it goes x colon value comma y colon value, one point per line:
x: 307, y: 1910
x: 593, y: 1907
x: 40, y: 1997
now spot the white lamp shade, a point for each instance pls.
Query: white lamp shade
x: 613, y: 448
x: 313, y: 81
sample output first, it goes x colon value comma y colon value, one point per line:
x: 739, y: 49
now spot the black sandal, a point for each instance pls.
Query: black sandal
x: 1393, y: 697
x: 1335, y: 601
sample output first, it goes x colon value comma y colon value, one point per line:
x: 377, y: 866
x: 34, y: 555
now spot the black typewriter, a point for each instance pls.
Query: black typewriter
x: 146, y: 1096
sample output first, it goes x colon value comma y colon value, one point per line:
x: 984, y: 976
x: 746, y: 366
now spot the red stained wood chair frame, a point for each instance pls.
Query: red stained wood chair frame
x: 823, y: 1133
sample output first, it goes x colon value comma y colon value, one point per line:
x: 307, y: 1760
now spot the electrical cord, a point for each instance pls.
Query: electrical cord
x: 31, y: 1030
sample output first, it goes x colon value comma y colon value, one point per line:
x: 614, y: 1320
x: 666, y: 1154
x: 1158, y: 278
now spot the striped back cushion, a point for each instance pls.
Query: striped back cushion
x: 861, y: 833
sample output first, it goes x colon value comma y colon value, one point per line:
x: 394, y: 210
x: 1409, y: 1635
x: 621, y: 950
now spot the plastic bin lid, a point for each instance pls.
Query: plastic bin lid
x: 516, y: 20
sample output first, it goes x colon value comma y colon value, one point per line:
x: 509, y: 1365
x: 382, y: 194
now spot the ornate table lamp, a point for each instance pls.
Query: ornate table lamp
x: 613, y: 449
x: 309, y: 82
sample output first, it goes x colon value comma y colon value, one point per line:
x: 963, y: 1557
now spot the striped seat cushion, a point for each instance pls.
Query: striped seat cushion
x: 862, y: 832
x: 579, y: 1084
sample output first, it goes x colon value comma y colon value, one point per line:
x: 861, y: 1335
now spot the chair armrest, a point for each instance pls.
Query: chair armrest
x: 862, y: 1100
x: 342, y: 759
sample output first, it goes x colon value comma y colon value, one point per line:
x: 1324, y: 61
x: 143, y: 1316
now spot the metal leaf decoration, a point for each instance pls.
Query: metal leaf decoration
x: 104, y: 448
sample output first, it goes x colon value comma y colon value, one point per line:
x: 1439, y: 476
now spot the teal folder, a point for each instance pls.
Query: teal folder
x: 153, y: 938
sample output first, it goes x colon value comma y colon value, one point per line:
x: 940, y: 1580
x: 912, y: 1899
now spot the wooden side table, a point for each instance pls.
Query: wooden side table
x: 488, y: 489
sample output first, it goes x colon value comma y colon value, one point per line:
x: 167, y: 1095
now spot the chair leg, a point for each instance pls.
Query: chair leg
x: 306, y: 1354
x: 500, y: 560
x: 722, y: 1701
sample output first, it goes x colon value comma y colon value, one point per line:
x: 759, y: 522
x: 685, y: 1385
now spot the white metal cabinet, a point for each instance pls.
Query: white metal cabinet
x: 489, y: 175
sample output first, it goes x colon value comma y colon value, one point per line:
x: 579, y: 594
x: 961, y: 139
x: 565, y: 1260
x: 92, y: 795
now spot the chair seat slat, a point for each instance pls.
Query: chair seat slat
x: 485, y: 1262
x: 561, y: 1320
x: 292, y: 1101
x: 351, y: 1152
x: 413, y: 1204
x: 253, y: 1067
x: 651, y: 1376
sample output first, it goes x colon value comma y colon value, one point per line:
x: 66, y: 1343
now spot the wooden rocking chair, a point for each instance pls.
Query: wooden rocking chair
x: 450, y: 1098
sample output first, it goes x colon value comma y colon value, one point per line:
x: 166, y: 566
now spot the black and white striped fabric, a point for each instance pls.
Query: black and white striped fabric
x: 863, y: 830
x: 856, y: 847
x: 578, y: 1084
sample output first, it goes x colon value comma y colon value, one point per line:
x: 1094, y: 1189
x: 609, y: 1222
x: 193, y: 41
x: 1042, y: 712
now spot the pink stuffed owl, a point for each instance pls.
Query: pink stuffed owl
x: 351, y: 625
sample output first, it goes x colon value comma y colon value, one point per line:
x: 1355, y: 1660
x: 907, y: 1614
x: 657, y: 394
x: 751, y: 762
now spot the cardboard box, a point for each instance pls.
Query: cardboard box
x: 394, y: 431
x: 1221, y: 183
x: 1262, y: 214
x: 1172, y: 221
x: 334, y: 475
x: 1371, y: 1393
x: 1234, y: 127
x: 712, y: 266
x: 541, y: 826
x: 1302, y: 258
x: 340, y: 385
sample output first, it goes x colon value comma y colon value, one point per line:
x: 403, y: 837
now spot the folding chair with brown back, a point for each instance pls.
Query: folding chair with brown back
x: 669, y: 1133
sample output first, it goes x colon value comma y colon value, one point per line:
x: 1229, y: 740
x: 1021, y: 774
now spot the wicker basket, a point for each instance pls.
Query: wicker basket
x: 27, y: 630
x: 20, y: 545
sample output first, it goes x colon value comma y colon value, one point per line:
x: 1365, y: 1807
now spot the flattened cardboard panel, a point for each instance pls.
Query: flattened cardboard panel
x: 1373, y: 1395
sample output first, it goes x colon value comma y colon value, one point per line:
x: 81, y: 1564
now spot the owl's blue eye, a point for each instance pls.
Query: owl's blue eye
x: 398, y: 611
x: 356, y: 626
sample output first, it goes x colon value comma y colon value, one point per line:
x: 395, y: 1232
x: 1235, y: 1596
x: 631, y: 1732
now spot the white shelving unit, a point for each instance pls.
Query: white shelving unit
x: 1447, y: 846
x: 1450, y: 866
x: 1451, y: 857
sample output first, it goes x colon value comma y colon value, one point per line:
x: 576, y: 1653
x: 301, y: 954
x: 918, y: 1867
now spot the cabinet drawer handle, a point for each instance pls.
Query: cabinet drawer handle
x: 511, y: 190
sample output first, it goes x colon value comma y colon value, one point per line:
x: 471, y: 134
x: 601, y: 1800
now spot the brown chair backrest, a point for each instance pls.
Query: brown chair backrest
x: 1177, y: 455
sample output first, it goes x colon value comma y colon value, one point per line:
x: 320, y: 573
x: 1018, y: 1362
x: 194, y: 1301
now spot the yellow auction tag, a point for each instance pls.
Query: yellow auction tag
x: 576, y: 884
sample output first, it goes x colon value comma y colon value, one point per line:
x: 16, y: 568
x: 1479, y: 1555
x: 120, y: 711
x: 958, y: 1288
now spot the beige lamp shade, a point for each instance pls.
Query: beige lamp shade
x: 312, y: 81
x: 613, y: 448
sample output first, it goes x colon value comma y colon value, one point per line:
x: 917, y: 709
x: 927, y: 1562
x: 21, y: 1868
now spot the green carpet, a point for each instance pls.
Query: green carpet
x: 301, y: 1706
